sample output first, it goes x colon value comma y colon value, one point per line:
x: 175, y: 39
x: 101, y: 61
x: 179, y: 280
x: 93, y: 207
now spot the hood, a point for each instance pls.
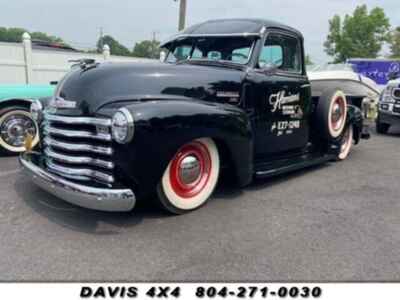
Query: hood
x: 97, y: 86
x: 343, y: 75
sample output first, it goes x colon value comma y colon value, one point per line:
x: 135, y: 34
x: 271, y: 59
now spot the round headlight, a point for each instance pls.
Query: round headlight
x: 36, y: 110
x: 122, y: 127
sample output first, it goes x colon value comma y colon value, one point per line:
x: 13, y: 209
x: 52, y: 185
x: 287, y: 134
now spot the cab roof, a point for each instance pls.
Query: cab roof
x: 231, y: 27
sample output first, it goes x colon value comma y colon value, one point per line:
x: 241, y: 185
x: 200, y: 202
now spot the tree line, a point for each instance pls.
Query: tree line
x: 146, y: 48
x: 361, y: 34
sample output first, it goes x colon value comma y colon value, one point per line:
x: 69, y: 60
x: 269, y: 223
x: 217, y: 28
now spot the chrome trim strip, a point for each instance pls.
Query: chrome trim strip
x: 78, y: 120
x: 89, y: 197
x: 77, y: 147
x: 79, y: 172
x: 77, y: 133
x: 78, y: 159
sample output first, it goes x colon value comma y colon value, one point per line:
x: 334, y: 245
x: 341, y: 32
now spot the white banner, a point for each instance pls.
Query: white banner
x: 186, y: 291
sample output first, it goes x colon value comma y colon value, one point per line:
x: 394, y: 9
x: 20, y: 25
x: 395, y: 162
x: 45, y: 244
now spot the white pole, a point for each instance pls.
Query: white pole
x: 106, y: 52
x: 27, y: 45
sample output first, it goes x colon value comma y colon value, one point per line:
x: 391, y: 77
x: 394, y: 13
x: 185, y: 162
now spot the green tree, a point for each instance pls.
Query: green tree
x: 116, y: 48
x: 11, y: 35
x: 14, y: 35
x: 37, y: 35
x: 359, y: 35
x: 147, y: 49
x: 395, y: 43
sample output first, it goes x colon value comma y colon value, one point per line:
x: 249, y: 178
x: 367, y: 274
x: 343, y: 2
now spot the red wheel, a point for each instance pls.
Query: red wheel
x: 190, y: 177
x: 338, y: 111
x: 332, y: 113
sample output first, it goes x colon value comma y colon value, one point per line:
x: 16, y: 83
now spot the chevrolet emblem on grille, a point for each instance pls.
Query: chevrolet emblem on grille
x: 61, y: 103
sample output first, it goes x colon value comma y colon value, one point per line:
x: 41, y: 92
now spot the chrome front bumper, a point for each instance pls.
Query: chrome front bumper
x: 81, y: 195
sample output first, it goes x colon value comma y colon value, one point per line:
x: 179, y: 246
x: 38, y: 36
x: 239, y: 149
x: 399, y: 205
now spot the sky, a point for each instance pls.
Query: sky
x: 79, y: 21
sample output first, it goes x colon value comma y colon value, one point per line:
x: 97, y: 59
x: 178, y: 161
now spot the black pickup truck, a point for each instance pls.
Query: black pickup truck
x: 230, y: 95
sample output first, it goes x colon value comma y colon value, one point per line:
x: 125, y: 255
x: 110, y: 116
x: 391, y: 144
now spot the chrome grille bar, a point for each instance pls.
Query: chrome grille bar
x: 79, y: 159
x: 48, y: 129
x: 78, y: 120
x: 77, y: 147
x: 77, y: 173
x: 72, y: 147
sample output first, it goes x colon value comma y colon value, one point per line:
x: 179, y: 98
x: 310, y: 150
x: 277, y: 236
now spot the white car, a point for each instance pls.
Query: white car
x: 360, y: 91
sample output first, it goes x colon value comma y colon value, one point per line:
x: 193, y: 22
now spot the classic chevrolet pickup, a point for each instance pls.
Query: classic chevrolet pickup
x: 230, y: 93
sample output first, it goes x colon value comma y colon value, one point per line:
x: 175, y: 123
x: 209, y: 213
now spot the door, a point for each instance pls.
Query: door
x: 283, y: 97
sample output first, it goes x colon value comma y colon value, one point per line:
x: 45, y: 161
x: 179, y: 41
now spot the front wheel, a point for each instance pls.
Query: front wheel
x: 191, y: 177
x: 15, y: 124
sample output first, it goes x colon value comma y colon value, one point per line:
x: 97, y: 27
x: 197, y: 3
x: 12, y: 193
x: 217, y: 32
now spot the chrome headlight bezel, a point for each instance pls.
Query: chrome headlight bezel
x: 36, y: 110
x: 122, y: 126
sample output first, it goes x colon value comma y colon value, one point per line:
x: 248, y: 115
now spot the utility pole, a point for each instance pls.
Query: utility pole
x: 182, y: 14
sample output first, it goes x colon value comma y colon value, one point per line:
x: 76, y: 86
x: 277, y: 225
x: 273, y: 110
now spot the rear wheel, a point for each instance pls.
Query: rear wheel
x: 191, y: 177
x: 346, y: 143
x: 15, y: 124
x: 332, y: 114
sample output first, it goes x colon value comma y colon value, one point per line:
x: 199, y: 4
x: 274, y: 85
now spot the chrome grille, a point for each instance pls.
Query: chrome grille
x: 75, y: 149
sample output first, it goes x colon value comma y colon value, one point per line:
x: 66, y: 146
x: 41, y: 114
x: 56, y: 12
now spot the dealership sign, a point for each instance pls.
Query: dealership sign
x: 376, y: 69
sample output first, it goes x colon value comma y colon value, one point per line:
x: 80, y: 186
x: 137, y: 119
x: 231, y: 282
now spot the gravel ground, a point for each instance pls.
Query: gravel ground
x: 335, y: 222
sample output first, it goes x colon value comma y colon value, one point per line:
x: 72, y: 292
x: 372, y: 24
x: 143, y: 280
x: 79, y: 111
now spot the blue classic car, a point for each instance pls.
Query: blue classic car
x: 15, y: 117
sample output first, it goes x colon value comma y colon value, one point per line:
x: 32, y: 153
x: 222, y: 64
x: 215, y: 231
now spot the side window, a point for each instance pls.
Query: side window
x: 180, y: 53
x: 283, y: 52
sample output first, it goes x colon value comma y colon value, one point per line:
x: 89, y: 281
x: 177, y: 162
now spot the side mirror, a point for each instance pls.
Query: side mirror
x: 163, y: 56
x: 269, y: 68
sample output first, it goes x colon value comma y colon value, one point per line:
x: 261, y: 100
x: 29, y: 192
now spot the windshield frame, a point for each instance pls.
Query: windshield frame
x: 172, y: 48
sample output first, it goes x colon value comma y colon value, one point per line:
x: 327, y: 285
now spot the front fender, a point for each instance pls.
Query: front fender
x: 162, y: 127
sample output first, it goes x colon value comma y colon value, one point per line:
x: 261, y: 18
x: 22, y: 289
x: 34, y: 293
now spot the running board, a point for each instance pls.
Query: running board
x: 284, y: 166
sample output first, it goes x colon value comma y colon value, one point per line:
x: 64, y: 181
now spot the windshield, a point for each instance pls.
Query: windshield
x: 228, y: 49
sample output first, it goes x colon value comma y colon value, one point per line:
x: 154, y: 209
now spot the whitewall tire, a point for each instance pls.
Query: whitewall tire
x: 191, y: 177
x: 15, y: 124
x: 346, y: 143
x: 332, y: 114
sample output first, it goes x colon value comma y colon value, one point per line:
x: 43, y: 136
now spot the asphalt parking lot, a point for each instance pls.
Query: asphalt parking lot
x: 336, y: 222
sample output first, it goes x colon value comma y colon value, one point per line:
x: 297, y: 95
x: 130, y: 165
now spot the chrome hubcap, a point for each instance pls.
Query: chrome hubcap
x: 15, y: 128
x: 337, y: 113
x: 189, y: 169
